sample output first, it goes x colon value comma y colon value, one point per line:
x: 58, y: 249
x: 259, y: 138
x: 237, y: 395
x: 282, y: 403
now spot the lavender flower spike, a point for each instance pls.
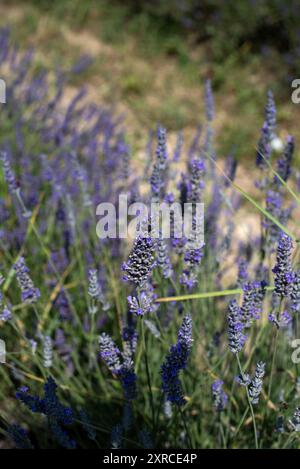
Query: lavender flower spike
x: 8, y: 173
x: 235, y: 328
x: 284, y: 275
x: 175, y: 361
x: 140, y: 262
x: 30, y: 294
x: 110, y: 353
x: 220, y: 398
x: 255, y: 387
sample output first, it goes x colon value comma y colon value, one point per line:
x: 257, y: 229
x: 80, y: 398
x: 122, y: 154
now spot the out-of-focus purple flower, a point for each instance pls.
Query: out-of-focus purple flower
x: 263, y: 148
x: 20, y: 437
x: 243, y: 380
x: 270, y: 113
x: 295, y: 293
x: 178, y: 147
x: 283, y: 320
x: 157, y: 179
x: 220, y: 398
x: 8, y: 173
x: 5, y: 315
x: 284, y: 162
x: 242, y: 272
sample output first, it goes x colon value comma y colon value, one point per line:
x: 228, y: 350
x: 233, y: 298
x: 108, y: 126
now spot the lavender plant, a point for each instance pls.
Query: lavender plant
x: 93, y: 320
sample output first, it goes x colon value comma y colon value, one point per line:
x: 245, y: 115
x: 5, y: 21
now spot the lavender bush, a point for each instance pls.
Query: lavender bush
x: 151, y: 343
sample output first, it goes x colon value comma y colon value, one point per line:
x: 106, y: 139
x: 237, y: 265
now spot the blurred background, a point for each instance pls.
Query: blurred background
x: 150, y: 59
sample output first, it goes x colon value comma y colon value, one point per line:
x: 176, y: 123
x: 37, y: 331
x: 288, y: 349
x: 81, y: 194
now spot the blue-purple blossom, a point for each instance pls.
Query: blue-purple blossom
x: 6, y: 314
x: 236, y: 336
x: 255, y: 386
x: 295, y: 293
x: 242, y: 272
x: 8, y: 173
x: 20, y: 437
x: 263, y: 148
x: 285, y: 161
x: 159, y: 168
x: 110, y: 353
x: 30, y: 294
x: 252, y: 302
x: 284, y: 276
x: 140, y: 306
x: 220, y: 398
x: 282, y: 321
x: 141, y: 262
x: 58, y: 415
x: 270, y: 113
x: 120, y: 364
x: 176, y: 361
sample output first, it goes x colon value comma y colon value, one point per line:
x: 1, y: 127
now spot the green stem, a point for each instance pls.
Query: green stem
x: 249, y: 403
x: 148, y: 371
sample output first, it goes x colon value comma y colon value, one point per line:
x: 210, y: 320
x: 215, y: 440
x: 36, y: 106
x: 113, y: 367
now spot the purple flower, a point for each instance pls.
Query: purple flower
x: 8, y: 173
x: 284, y: 162
x: 120, y: 364
x: 30, y: 294
x: 242, y: 272
x: 220, y: 398
x: 255, y: 386
x: 176, y: 361
x: 20, y: 437
x: 283, y: 320
x: 270, y: 113
x: 284, y: 276
x: 141, y: 306
x: 58, y: 415
x: 140, y: 262
x: 235, y: 328
x: 295, y: 293
x: 110, y: 353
